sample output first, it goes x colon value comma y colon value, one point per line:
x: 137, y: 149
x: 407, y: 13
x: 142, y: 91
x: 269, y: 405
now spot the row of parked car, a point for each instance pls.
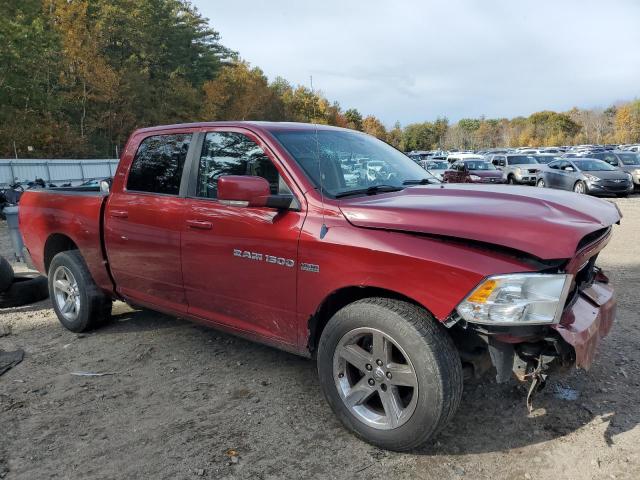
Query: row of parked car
x: 599, y: 170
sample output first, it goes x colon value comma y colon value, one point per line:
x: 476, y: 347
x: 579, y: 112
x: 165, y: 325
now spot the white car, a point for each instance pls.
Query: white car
x: 455, y: 157
x: 436, y: 167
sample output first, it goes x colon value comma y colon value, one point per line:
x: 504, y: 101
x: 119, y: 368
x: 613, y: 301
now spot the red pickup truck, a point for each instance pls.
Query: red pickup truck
x: 331, y: 244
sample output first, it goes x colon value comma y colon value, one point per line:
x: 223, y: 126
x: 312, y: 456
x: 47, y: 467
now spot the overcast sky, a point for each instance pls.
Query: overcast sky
x: 415, y: 60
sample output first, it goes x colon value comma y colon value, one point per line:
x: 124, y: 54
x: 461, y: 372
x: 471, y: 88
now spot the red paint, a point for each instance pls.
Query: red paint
x: 588, y: 321
x: 240, y: 268
x: 253, y: 190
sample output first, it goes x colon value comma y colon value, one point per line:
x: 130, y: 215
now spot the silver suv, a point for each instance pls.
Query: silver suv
x: 517, y: 169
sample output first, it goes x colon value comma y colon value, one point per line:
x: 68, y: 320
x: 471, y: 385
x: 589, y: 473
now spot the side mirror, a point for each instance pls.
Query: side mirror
x: 250, y: 191
x: 569, y: 169
x: 243, y: 190
x: 105, y: 186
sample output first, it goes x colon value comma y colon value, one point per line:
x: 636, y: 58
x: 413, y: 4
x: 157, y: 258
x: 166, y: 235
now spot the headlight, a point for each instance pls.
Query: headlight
x: 517, y: 299
x: 517, y: 170
x: 590, y: 177
x: 475, y: 178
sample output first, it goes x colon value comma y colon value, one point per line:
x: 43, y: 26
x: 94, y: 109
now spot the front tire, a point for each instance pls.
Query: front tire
x: 541, y: 183
x: 390, y: 372
x: 580, y: 187
x: 511, y: 180
x: 78, y: 302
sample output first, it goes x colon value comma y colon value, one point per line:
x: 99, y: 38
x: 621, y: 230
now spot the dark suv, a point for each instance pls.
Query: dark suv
x: 626, y: 161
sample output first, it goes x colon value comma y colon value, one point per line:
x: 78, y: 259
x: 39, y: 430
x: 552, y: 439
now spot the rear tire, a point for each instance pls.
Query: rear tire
x: 78, y: 302
x: 419, y: 378
x: 6, y: 274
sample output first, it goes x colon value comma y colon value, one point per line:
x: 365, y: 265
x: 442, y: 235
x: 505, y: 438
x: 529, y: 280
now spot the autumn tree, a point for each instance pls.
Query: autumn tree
x: 627, y: 122
x: 240, y: 92
x: 394, y: 137
x: 373, y: 126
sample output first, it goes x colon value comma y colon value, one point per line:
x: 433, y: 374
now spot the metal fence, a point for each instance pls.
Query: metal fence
x: 55, y: 171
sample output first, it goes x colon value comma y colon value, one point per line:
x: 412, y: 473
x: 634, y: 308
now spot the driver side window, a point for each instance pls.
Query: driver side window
x: 232, y: 153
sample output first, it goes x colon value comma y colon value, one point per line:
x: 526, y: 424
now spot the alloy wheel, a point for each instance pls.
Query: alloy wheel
x: 375, y: 378
x: 66, y: 293
x: 579, y: 187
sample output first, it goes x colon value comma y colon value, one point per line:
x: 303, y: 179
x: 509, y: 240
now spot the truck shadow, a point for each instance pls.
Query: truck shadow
x: 491, y: 417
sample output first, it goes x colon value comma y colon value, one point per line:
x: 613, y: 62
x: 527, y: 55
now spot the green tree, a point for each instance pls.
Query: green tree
x: 354, y: 119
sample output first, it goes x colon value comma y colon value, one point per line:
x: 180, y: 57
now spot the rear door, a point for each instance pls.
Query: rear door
x: 143, y: 223
x: 240, y: 263
x: 500, y: 162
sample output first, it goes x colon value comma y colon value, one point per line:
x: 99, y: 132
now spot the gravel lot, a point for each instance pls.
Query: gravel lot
x: 179, y: 396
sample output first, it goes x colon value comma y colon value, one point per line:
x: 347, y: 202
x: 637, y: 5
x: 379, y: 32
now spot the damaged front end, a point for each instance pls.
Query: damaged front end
x: 533, y: 346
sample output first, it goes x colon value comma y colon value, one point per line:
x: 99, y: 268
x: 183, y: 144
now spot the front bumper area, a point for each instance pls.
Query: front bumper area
x: 529, y: 179
x: 609, y: 187
x: 525, y: 351
x: 587, y: 321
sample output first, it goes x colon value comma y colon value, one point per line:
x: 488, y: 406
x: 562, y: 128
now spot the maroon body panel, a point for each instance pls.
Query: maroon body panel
x: 142, y: 238
x: 545, y: 223
x: 588, y: 321
x: 44, y: 214
x: 265, y: 273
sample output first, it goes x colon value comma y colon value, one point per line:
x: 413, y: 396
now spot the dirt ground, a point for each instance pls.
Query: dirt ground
x: 179, y: 396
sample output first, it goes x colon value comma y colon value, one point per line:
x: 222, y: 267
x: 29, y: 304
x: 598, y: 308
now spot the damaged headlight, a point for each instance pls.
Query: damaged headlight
x: 517, y: 299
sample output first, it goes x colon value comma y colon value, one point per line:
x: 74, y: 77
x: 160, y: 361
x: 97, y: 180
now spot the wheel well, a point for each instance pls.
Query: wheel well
x: 339, y: 299
x: 55, y: 244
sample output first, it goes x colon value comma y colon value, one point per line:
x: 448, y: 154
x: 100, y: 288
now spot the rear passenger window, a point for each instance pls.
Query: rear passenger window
x: 231, y: 153
x: 157, y: 166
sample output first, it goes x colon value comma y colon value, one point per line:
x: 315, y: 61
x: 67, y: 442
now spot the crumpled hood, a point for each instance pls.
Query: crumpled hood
x: 545, y: 223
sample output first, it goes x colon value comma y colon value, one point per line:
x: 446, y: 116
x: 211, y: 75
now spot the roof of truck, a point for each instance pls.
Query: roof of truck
x: 269, y: 126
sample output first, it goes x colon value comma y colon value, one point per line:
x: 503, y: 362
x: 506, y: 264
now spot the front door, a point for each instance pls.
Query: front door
x: 566, y: 178
x: 143, y: 223
x: 240, y: 264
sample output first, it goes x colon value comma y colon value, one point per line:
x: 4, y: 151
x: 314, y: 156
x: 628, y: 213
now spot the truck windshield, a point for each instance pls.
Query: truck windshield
x: 351, y: 161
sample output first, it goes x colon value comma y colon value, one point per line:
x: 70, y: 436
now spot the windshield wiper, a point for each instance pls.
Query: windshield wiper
x: 422, y: 181
x: 370, y: 190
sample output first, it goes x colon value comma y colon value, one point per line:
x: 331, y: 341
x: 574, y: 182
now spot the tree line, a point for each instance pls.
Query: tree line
x: 78, y: 76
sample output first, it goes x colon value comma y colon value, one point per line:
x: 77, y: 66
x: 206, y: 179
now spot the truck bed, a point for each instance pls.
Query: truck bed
x: 68, y: 214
